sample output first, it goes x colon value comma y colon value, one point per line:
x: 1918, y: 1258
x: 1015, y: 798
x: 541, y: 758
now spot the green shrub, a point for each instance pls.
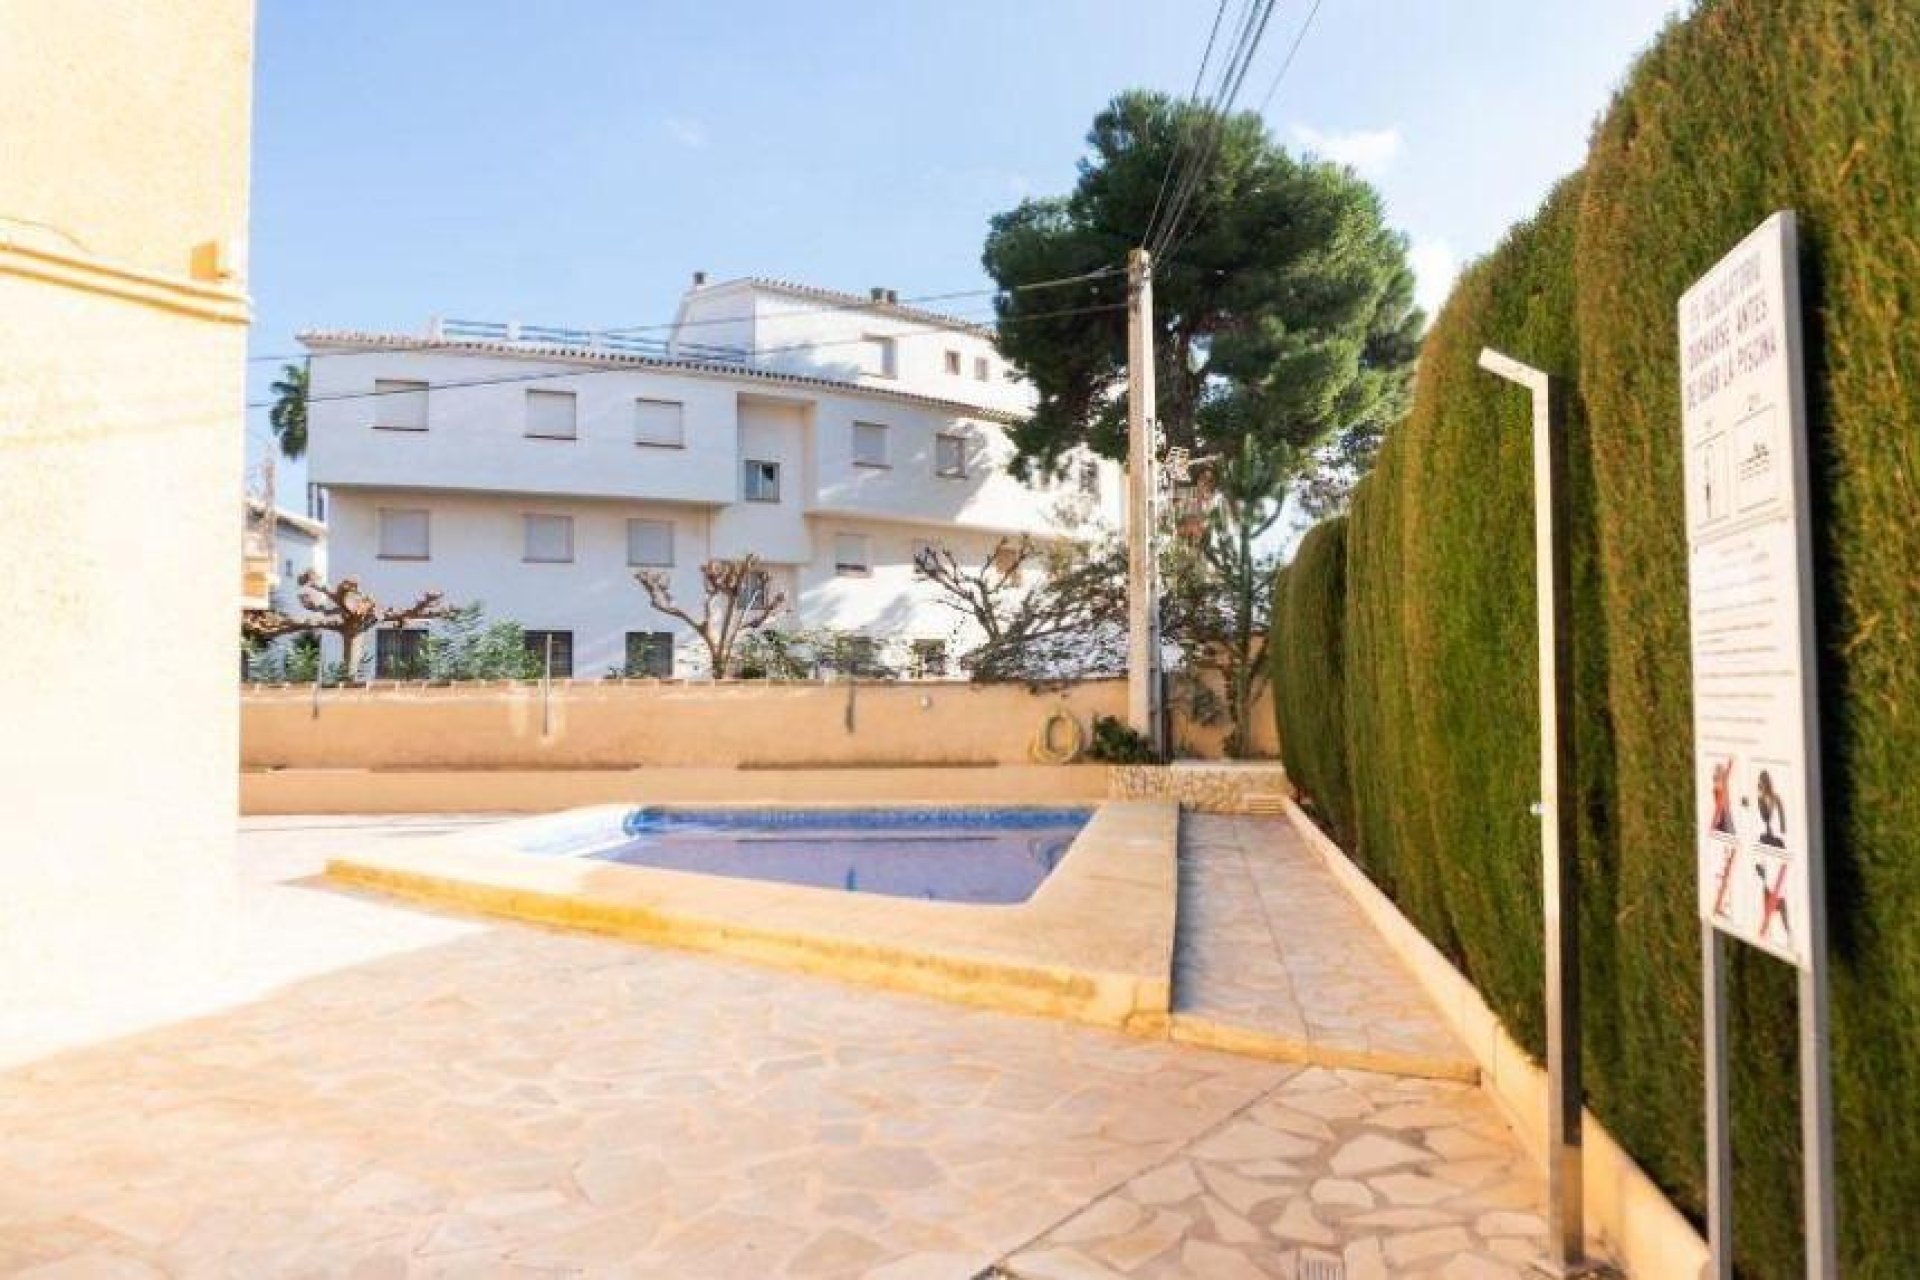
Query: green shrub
x: 1746, y: 107
x: 1749, y: 107
x: 465, y: 646
x: 1309, y: 611
x: 1117, y: 742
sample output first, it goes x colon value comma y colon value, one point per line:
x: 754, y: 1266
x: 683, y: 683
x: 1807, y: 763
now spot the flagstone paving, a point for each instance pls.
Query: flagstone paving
x: 1368, y: 1175
x: 1273, y: 957
x: 441, y: 1097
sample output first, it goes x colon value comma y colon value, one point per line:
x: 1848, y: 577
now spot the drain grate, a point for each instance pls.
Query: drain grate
x: 1321, y: 1266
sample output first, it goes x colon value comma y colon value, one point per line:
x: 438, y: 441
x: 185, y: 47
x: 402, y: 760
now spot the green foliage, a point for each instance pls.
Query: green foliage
x: 1752, y: 106
x: 464, y: 646
x: 288, y: 415
x: 1309, y: 683
x: 811, y: 653
x: 775, y: 654
x: 292, y: 659
x: 1286, y: 311
x: 1218, y: 604
x: 1746, y: 107
x: 1114, y: 741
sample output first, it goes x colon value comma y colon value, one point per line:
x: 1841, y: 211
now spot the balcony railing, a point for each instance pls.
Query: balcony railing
x: 588, y: 340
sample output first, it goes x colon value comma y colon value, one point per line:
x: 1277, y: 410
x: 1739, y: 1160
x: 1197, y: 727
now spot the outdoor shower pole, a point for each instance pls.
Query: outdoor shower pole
x: 1143, y: 657
x: 1560, y: 870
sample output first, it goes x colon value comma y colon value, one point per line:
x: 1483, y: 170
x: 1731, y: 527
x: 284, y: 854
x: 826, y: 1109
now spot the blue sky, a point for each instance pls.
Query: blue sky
x: 573, y: 162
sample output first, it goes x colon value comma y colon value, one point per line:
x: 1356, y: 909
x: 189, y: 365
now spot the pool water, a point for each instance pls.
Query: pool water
x: 950, y: 855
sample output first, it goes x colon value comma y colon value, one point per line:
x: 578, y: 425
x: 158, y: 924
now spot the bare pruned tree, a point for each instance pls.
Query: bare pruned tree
x: 343, y: 609
x: 1052, y: 610
x: 738, y: 599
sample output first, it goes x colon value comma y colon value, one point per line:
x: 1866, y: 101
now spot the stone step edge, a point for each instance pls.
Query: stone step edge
x: 1211, y: 1033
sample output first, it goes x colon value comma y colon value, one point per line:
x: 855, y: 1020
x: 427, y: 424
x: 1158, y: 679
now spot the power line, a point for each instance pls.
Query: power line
x: 627, y: 367
x: 820, y: 309
x: 1232, y: 78
x: 1285, y: 63
x: 1180, y: 135
x: 1252, y: 30
x: 1288, y: 60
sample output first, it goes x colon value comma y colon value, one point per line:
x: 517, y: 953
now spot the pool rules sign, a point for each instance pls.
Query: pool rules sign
x: 1756, y: 767
x: 1753, y: 708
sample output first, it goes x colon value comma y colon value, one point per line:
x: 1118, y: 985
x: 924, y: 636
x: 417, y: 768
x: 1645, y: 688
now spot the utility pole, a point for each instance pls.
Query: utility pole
x: 1143, y: 612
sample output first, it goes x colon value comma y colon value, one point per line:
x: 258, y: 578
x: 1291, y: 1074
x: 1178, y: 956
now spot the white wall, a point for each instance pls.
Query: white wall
x: 122, y: 376
x: 478, y: 473
x: 476, y: 440
x: 477, y: 545
x: 476, y: 436
x: 770, y: 431
x: 476, y: 555
x: 801, y: 334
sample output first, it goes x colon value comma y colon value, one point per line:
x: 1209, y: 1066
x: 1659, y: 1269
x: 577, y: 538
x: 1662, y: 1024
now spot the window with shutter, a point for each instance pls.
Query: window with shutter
x: 869, y: 444
x: 399, y: 405
x: 850, y: 555
x: 549, y: 539
x: 551, y: 415
x: 950, y: 457
x: 650, y: 543
x: 403, y: 534
x: 659, y: 423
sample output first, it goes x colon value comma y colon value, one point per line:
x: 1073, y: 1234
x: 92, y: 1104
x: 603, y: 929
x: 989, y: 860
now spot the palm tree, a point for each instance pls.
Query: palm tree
x: 289, y: 413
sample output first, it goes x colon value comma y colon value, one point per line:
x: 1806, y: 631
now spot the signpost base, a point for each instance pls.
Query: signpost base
x: 1584, y: 1269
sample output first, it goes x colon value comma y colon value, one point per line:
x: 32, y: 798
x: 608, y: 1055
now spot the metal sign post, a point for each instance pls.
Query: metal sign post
x: 1560, y: 869
x: 1759, y: 842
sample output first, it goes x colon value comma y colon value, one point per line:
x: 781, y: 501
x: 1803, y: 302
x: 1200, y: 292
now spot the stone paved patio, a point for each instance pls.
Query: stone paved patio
x: 1273, y: 958
x: 405, y: 1094
x: 1368, y: 1175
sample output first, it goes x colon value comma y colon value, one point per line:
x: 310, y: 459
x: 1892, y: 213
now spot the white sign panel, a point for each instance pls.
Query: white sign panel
x: 1756, y: 764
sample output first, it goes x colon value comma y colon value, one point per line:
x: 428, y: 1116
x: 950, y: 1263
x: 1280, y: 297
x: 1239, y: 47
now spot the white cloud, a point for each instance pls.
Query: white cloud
x: 686, y: 131
x: 1371, y: 152
x: 1434, y: 266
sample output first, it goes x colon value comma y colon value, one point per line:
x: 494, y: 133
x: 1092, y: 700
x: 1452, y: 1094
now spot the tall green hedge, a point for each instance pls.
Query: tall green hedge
x: 1309, y: 599
x: 1745, y: 107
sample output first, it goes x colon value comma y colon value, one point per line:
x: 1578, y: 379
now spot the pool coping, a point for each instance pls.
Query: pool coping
x: 1094, y: 943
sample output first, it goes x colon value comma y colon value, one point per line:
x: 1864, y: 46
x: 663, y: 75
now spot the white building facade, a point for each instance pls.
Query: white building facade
x: 536, y: 471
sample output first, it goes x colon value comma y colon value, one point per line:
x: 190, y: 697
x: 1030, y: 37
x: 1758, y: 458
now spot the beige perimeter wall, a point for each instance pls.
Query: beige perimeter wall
x: 601, y: 725
x: 122, y: 353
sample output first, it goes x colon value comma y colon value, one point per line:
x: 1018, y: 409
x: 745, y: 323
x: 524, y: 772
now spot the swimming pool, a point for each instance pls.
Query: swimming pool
x: 946, y: 854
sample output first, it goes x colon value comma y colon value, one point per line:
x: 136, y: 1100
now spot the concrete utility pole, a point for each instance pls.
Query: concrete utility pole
x: 1143, y: 612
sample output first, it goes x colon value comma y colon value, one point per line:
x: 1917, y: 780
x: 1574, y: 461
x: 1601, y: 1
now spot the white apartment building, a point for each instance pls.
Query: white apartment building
x: 537, y: 470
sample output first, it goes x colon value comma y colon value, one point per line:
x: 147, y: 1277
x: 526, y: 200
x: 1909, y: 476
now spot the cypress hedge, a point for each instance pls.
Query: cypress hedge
x: 1744, y: 107
x: 1309, y: 597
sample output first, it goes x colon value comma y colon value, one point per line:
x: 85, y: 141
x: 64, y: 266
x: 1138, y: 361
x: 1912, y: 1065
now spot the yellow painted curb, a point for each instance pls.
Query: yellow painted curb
x: 1094, y: 944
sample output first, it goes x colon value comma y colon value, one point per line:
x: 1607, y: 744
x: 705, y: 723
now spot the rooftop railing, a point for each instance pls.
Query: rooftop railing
x: 591, y: 340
